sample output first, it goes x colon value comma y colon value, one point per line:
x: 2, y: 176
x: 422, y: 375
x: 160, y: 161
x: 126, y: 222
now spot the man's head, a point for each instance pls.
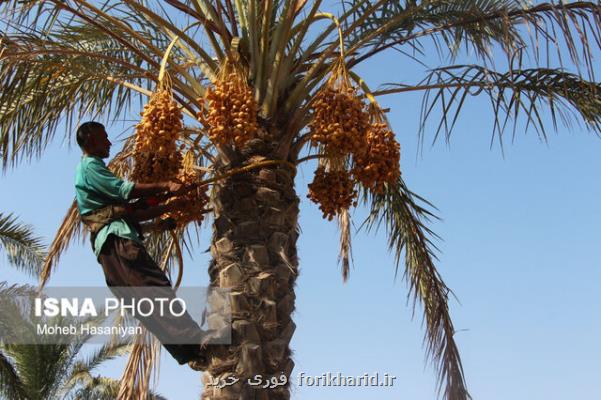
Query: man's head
x: 93, y: 139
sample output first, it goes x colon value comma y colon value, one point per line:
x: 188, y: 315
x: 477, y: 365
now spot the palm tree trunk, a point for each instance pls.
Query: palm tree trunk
x: 254, y: 255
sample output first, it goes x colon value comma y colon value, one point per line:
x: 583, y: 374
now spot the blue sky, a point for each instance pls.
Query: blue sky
x: 521, y: 250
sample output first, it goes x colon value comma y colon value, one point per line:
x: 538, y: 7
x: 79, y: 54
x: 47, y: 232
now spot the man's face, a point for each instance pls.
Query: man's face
x: 99, y: 144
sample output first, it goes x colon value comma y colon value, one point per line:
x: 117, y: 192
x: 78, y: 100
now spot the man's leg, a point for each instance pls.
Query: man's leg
x: 128, y: 264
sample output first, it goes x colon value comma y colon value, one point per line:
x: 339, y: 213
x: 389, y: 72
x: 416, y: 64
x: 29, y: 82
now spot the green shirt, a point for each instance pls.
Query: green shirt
x: 96, y: 187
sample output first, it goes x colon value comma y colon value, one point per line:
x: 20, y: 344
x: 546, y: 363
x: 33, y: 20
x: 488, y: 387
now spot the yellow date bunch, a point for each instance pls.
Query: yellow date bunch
x: 340, y: 120
x: 155, y: 153
x: 379, y: 163
x: 232, y: 109
x: 193, y: 202
x: 333, y: 190
x: 347, y: 132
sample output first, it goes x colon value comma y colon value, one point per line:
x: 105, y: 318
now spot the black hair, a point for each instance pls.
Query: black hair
x: 85, y: 130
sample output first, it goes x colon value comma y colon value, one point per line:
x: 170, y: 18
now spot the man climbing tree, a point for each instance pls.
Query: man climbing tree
x: 104, y: 203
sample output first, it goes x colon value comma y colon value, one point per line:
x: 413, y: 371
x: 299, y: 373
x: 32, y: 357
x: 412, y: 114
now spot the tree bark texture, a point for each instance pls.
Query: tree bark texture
x: 254, y: 255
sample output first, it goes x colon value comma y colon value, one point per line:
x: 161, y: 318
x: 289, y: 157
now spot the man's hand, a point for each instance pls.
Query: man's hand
x: 156, y: 189
x: 178, y: 189
x: 174, y: 187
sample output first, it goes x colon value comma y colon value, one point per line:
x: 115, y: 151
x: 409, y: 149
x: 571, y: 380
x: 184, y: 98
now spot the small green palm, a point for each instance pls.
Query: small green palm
x: 46, y: 371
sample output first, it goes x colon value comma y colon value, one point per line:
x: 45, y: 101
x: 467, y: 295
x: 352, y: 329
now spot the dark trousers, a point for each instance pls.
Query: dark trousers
x: 128, y: 266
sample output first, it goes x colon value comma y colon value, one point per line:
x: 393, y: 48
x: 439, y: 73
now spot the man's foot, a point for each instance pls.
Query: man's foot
x: 198, y: 365
x: 200, y: 362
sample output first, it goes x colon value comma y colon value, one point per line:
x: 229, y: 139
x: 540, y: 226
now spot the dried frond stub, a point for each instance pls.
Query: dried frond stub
x: 196, y: 200
x: 333, y: 190
x: 232, y: 109
x: 155, y: 153
x: 340, y: 120
x: 379, y: 162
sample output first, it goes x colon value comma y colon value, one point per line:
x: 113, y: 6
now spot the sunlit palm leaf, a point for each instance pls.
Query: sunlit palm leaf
x: 136, y: 379
x: 516, y: 93
x: 24, y: 250
x: 97, y: 388
x: 345, y: 253
x: 82, y: 369
x: 40, y: 88
x: 398, y: 209
x: 478, y: 24
x: 69, y: 230
x: 404, y: 19
x: 40, y: 367
x: 77, y: 67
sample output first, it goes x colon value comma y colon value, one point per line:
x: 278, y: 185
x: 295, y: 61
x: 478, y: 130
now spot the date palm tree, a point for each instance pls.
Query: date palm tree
x: 61, y: 59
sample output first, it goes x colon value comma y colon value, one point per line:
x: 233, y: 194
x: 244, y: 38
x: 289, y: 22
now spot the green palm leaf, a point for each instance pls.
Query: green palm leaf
x: 450, y: 18
x: 404, y: 216
x: 102, y: 388
x: 24, y: 250
x: 44, y: 81
x: 81, y: 370
x: 47, y: 371
x: 11, y: 386
x: 512, y: 24
x: 58, y: 72
x: 518, y: 92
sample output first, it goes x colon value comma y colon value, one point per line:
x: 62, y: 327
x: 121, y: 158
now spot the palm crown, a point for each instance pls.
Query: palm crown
x: 64, y: 58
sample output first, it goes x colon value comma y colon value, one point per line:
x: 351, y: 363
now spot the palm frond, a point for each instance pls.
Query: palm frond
x: 11, y: 386
x: 82, y: 369
x: 393, y: 22
x: 345, y: 255
x: 144, y: 357
x: 12, y: 291
x: 574, y: 27
x: 160, y: 246
x: 97, y: 388
x: 41, y: 86
x: 69, y: 229
x: 405, y: 220
x: 103, y: 388
x: 48, y: 370
x: 84, y: 62
x: 24, y: 250
x: 518, y: 92
x: 41, y: 365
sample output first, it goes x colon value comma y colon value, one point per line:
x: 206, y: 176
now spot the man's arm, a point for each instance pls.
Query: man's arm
x: 102, y: 180
x: 152, y: 189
